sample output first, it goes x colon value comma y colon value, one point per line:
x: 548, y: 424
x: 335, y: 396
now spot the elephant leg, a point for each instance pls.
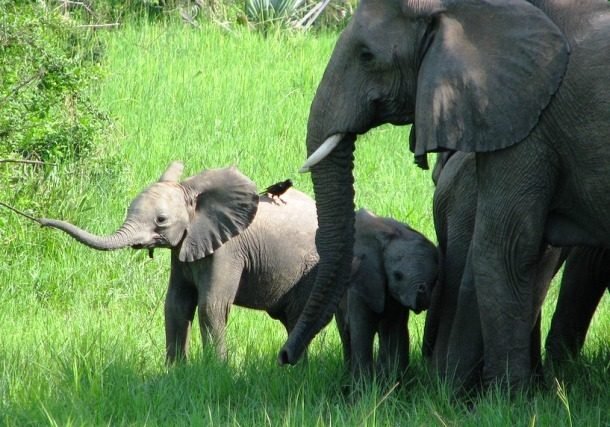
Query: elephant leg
x: 432, y: 322
x: 586, y: 276
x: 452, y: 267
x: 536, y: 351
x: 393, y: 355
x: 362, y: 328
x: 465, y: 347
x: 343, y: 329
x: 213, y: 316
x: 180, y: 304
x: 219, y: 277
x: 550, y: 262
x: 507, y: 248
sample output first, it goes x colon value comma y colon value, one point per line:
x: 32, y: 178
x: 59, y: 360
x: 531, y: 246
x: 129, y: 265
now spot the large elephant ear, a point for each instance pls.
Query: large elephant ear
x: 490, y: 68
x: 226, y: 202
x: 368, y: 280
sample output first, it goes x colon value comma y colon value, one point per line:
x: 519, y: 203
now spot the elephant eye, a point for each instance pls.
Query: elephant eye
x: 161, y: 219
x: 366, y: 55
x: 398, y: 276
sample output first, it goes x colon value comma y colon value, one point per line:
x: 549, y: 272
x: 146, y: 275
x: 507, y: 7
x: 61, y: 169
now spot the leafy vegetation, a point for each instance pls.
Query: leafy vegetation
x: 46, y: 67
x: 82, y: 339
x: 228, y: 14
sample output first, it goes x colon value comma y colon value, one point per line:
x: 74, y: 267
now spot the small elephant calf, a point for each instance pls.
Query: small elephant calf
x: 229, y: 246
x: 394, y: 271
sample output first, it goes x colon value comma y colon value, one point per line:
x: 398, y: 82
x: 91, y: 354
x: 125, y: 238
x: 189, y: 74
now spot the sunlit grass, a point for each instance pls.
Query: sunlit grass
x: 81, y: 332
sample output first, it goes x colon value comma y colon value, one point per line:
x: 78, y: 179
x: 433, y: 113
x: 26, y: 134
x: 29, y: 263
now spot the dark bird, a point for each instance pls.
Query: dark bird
x: 277, y: 189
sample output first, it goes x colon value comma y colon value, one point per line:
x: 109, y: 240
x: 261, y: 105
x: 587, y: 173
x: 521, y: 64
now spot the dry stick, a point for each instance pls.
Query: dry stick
x: 188, y: 18
x: 27, y: 162
x: 383, y: 398
x: 96, y: 26
x: 22, y: 84
x: 17, y: 211
x: 65, y: 4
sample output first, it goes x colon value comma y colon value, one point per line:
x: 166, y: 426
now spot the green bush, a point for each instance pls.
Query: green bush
x: 255, y: 14
x: 46, y: 66
x: 49, y: 66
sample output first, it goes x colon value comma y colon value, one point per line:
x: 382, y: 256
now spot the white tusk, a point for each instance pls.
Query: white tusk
x: 322, y: 151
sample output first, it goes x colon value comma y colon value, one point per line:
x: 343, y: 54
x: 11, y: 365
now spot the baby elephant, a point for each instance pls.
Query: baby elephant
x: 228, y: 246
x: 394, y: 271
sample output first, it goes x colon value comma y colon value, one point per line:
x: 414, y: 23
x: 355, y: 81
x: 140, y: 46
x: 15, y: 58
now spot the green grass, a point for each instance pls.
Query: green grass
x: 81, y: 332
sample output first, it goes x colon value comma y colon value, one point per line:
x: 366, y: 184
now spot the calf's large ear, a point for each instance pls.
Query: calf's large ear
x: 226, y: 202
x: 368, y: 280
x: 489, y: 70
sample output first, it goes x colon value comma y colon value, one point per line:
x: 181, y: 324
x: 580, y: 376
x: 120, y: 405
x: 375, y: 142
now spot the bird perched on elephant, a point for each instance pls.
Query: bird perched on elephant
x: 277, y: 189
x: 393, y: 271
x: 228, y: 246
x: 522, y: 84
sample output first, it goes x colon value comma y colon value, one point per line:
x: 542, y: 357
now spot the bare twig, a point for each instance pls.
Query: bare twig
x: 17, y: 211
x: 65, y: 3
x: 27, y: 162
x: 23, y: 84
x: 383, y: 398
x: 188, y: 18
x: 99, y: 26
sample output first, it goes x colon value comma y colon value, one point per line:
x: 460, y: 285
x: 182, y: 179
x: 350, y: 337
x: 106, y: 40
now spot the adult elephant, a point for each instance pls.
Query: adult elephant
x: 585, y: 279
x: 525, y: 86
x: 452, y: 335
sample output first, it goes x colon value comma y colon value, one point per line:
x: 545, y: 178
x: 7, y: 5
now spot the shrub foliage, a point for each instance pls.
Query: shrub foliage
x: 47, y: 64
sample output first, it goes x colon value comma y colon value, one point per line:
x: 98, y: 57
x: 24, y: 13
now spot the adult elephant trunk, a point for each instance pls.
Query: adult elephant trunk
x: 125, y: 236
x: 334, y: 192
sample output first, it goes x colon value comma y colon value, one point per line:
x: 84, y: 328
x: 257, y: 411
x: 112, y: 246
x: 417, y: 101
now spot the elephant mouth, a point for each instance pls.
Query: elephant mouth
x: 156, y: 242
x: 141, y: 246
x: 422, y: 301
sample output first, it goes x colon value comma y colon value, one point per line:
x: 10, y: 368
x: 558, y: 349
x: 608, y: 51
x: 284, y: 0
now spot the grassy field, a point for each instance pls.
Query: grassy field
x: 81, y: 332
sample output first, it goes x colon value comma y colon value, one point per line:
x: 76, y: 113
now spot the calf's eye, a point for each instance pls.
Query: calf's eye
x: 366, y: 55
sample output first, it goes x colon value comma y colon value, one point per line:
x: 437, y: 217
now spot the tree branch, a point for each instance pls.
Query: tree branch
x: 23, y: 83
x: 27, y: 162
x: 99, y: 26
x: 17, y: 211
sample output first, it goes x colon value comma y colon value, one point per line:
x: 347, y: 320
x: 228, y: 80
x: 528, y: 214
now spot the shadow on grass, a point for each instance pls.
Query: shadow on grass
x: 203, y: 391
x: 125, y: 389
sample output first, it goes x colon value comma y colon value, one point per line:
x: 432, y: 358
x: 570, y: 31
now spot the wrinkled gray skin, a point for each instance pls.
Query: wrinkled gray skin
x: 393, y: 271
x: 228, y: 247
x: 451, y: 330
x: 537, y: 116
x: 586, y: 276
x: 452, y: 333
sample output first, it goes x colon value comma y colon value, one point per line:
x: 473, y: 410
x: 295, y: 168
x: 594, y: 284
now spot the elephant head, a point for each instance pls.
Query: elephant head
x: 195, y: 216
x: 398, y: 258
x: 450, y: 68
